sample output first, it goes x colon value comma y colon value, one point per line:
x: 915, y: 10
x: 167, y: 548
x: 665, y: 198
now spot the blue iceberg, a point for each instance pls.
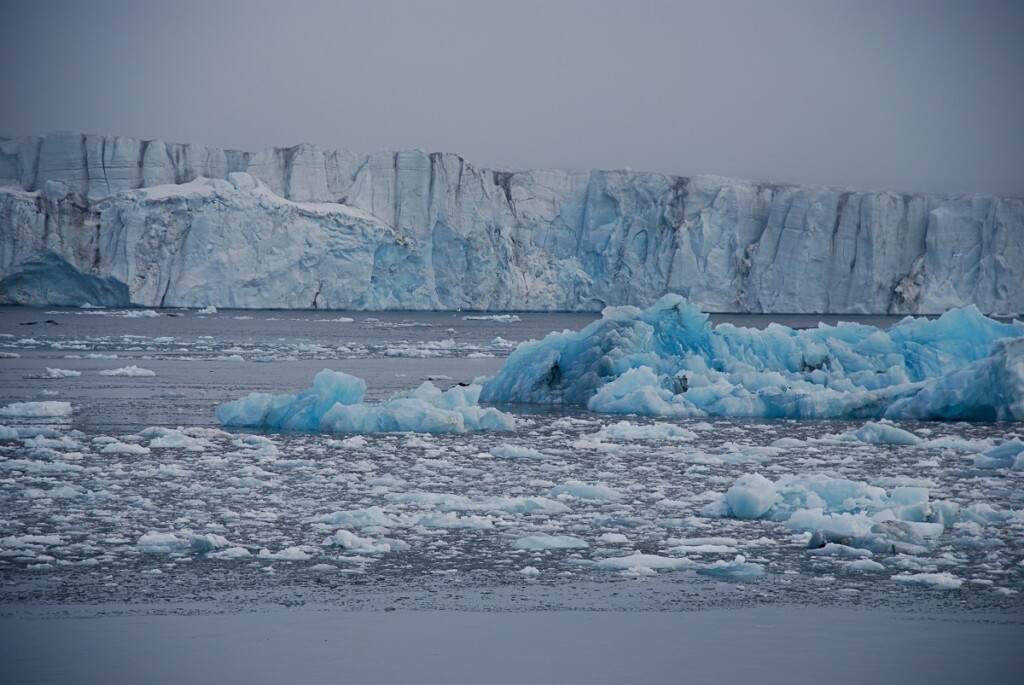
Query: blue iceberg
x: 669, y: 360
x: 335, y: 405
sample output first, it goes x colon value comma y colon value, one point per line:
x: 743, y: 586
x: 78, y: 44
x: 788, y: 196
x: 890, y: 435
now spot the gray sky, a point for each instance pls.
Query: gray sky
x: 909, y: 95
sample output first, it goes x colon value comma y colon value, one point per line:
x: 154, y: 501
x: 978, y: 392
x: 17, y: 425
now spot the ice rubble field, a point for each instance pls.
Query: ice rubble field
x: 793, y: 507
x: 805, y: 511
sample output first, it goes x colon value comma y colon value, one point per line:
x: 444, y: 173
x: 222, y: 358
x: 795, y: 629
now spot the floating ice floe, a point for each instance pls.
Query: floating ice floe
x: 350, y: 541
x: 59, y: 373
x: 131, y: 371
x: 169, y: 543
x: 37, y: 410
x: 498, y: 318
x: 883, y: 433
x: 1009, y: 455
x: 939, y: 581
x: 335, y: 405
x: 739, y: 569
x: 624, y: 430
x: 844, y: 512
x: 543, y: 541
x: 670, y: 361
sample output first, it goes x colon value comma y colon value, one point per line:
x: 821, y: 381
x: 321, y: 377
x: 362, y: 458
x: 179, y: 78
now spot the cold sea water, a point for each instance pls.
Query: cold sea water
x: 131, y: 498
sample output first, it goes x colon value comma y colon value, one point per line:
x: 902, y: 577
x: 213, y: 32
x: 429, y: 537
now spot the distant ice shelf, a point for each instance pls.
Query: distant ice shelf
x: 117, y: 221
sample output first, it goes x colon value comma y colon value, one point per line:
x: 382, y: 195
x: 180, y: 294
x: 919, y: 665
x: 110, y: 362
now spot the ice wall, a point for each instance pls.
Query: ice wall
x: 306, y: 227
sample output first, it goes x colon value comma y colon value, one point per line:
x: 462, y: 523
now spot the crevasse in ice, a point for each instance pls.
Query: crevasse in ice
x: 669, y: 360
x: 334, y: 404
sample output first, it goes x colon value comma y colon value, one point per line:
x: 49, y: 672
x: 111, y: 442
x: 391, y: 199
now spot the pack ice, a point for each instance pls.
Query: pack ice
x: 334, y: 404
x: 669, y: 360
x: 115, y: 220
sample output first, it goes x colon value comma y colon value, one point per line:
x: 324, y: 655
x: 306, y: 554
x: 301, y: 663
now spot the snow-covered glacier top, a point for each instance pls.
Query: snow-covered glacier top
x: 113, y: 220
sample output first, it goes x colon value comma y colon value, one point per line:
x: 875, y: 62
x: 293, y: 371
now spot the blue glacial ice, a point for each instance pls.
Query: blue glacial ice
x: 111, y: 220
x: 334, y: 404
x: 669, y: 360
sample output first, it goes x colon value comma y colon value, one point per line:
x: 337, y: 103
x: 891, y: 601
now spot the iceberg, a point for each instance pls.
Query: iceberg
x: 668, y: 360
x: 334, y: 404
x: 837, y: 508
x: 114, y: 220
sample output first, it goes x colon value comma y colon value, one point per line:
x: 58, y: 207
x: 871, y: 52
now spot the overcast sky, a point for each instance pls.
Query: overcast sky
x: 909, y: 95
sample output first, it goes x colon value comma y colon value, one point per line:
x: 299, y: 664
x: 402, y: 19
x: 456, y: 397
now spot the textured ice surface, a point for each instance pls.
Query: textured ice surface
x: 103, y: 219
x: 669, y: 361
x: 335, y: 405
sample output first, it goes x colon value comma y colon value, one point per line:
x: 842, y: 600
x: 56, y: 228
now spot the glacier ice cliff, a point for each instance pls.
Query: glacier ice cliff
x: 669, y: 360
x: 111, y: 219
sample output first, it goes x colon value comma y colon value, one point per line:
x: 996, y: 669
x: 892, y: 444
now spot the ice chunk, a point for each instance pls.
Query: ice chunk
x: 499, y: 318
x: 939, y: 581
x: 1008, y: 455
x: 355, y: 543
x: 508, y: 451
x: 451, y: 520
x: 884, y: 433
x: 543, y: 541
x: 751, y: 496
x: 60, y: 373
x: 624, y: 430
x: 837, y: 506
x: 36, y: 410
x: 169, y: 543
x: 739, y: 569
x: 862, y: 566
x: 575, y: 488
x: 371, y: 516
x: 335, y: 404
x: 168, y: 439
x: 512, y: 505
x: 124, y: 448
x: 132, y: 371
x: 201, y: 544
x: 230, y: 553
x: 22, y: 541
x: 885, y: 537
x: 645, y: 561
x: 669, y: 361
x: 297, y: 553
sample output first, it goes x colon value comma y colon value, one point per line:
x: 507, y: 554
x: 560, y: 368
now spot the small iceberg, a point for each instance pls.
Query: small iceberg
x: 669, y: 360
x: 335, y: 405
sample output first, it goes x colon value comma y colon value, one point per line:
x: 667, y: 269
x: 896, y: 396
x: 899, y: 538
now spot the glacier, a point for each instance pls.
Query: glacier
x: 668, y: 360
x: 114, y: 221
